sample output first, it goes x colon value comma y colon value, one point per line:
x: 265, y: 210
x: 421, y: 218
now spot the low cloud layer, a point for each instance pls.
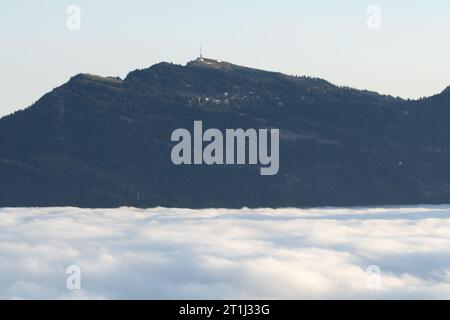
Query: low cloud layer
x: 255, y: 254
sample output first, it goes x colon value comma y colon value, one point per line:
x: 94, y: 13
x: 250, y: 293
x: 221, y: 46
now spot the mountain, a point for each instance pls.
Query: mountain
x: 105, y: 142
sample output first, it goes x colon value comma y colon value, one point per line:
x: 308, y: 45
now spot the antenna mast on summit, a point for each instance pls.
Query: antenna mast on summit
x: 201, y: 51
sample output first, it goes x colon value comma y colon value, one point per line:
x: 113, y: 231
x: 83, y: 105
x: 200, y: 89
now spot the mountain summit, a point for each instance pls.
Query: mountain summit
x: 105, y: 142
x: 210, y: 63
x: 216, y: 64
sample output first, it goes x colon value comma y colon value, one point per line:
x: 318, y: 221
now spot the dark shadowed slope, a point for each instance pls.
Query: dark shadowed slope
x: 105, y: 142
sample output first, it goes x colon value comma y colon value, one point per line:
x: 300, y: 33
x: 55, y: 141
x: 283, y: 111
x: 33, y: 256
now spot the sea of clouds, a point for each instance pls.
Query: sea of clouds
x: 216, y: 253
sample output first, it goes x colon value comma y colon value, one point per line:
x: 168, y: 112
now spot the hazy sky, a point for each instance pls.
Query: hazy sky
x: 408, y: 56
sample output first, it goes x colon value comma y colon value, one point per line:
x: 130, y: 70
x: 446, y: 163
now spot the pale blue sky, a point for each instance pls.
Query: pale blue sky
x: 408, y: 57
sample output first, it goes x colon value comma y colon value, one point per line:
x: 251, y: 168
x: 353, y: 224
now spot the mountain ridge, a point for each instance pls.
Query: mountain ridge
x: 105, y: 142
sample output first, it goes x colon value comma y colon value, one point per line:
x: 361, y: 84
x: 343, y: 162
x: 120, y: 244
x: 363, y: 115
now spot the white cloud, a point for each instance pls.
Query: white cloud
x: 217, y: 253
